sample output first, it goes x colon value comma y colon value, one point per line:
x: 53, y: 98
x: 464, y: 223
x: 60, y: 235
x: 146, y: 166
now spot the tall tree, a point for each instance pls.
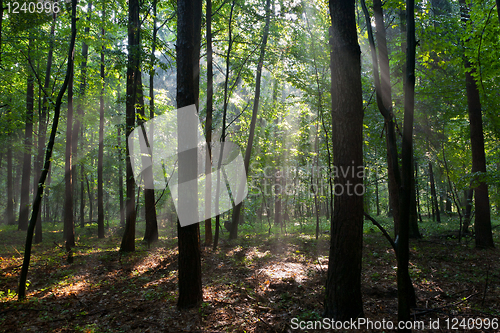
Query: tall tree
x: 484, y: 236
x: 188, y: 68
x: 208, y: 121
x: 248, y: 152
x: 48, y: 156
x: 405, y: 300
x: 133, y: 82
x: 69, y: 228
x: 100, y: 155
x: 151, y: 232
x: 42, y: 127
x: 28, y: 143
x: 343, y: 285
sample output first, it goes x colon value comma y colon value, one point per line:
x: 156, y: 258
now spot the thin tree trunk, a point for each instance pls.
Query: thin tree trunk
x: 417, y: 193
x: 48, y: 156
x: 42, y: 129
x: 435, y: 205
x: 28, y: 143
x: 10, y: 193
x: 208, y: 122
x: 100, y: 154
x: 248, y: 151
x: 69, y: 232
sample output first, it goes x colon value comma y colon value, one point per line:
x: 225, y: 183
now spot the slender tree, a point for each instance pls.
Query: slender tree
x: 100, y: 154
x: 28, y: 143
x: 248, y: 152
x: 484, y: 236
x: 208, y: 121
x: 343, y: 285
x: 48, y: 155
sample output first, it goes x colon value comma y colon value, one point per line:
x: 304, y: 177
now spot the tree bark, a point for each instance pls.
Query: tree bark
x: 151, y: 232
x: 48, y: 156
x: 343, y: 285
x: 435, y: 205
x: 188, y: 49
x: 404, y: 286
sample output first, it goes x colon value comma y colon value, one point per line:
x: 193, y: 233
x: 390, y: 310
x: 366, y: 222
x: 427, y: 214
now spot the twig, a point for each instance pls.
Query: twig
x: 444, y: 307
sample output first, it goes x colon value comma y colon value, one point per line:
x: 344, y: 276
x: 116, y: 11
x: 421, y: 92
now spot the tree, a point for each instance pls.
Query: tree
x: 48, y: 156
x: 28, y: 143
x: 100, y: 156
x: 404, y: 286
x: 248, y: 152
x: 208, y: 121
x: 484, y: 236
x: 188, y: 67
x: 133, y: 86
x: 343, y: 286
x: 151, y: 232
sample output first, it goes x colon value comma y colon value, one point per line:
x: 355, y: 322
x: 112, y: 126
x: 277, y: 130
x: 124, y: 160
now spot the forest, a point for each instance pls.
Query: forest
x: 249, y: 166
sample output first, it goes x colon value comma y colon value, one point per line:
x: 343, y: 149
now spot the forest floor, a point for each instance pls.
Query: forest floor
x: 257, y: 283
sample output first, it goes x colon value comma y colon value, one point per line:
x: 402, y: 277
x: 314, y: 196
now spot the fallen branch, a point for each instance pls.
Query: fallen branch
x: 381, y: 229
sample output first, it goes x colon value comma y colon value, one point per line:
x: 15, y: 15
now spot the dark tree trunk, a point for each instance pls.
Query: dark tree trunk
x: 248, y: 151
x: 208, y: 121
x: 48, y: 156
x: 414, y: 232
x: 407, y: 193
x: 188, y: 49
x: 28, y: 143
x: 100, y: 154
x: 469, y: 194
x: 133, y: 81
x: 151, y: 232
x: 483, y: 233
x: 343, y: 285
x: 417, y: 193
x: 435, y: 205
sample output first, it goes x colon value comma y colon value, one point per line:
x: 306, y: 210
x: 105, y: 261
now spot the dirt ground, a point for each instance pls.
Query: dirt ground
x: 256, y: 284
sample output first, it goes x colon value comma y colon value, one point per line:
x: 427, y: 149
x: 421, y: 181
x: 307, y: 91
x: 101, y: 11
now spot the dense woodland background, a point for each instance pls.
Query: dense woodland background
x: 281, y: 80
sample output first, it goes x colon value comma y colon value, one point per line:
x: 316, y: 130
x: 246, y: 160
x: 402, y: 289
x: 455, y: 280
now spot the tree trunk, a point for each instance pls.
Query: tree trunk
x: 188, y: 49
x: 28, y: 143
x: 483, y: 233
x: 384, y: 104
x: 343, y: 285
x: 405, y: 287
x: 48, y: 156
x: 208, y: 122
x: 248, y: 151
x: 417, y: 193
x: 100, y: 154
x: 435, y: 205
x: 133, y: 81
x: 10, y: 193
x: 468, y: 210
x: 69, y: 232
x: 42, y: 130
